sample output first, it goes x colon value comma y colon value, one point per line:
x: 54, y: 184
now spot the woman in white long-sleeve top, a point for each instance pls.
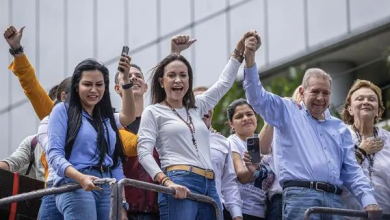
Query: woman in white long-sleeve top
x: 173, y: 124
x: 363, y: 108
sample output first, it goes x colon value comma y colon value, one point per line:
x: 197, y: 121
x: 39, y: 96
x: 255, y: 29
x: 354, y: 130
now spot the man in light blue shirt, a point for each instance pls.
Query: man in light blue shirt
x: 315, y: 153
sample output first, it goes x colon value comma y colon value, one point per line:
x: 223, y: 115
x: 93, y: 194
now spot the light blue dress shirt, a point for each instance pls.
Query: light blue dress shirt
x: 84, y: 153
x: 308, y: 149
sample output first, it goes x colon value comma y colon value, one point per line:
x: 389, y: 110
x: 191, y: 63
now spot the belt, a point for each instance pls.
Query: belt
x: 100, y: 168
x: 208, y: 174
x: 319, y: 186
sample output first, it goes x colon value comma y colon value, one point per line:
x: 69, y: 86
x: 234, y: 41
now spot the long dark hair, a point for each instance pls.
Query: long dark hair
x: 158, y: 93
x: 103, y: 110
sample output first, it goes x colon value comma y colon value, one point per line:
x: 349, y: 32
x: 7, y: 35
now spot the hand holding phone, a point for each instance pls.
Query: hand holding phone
x: 125, y: 51
x: 253, y: 146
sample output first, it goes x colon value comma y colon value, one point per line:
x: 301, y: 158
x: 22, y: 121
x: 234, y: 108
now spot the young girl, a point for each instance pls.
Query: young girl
x: 254, y: 180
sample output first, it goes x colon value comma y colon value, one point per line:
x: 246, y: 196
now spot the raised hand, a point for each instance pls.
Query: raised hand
x: 180, y: 43
x: 124, y: 64
x: 13, y: 36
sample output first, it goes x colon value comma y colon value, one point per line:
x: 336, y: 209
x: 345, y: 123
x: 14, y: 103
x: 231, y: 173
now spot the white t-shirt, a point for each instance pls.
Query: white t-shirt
x: 254, y: 198
x: 162, y: 129
x: 380, y: 176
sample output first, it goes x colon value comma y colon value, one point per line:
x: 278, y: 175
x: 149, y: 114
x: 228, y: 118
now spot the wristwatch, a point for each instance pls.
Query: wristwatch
x: 125, y: 205
x: 128, y: 85
x: 16, y: 51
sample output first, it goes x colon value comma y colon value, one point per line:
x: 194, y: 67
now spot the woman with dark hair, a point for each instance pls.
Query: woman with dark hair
x: 362, y: 110
x: 84, y: 142
x: 254, y: 179
x: 173, y: 124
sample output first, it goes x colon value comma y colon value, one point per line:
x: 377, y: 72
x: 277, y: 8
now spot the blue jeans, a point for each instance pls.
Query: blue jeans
x: 275, y: 208
x: 81, y: 204
x: 172, y: 208
x: 48, y: 209
x: 296, y: 200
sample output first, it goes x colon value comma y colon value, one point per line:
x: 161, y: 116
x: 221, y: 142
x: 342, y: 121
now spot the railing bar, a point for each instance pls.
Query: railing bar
x: 52, y: 190
x: 335, y: 211
x: 162, y: 189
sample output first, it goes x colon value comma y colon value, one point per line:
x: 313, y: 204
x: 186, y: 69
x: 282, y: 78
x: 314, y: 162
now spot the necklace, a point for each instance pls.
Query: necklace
x: 370, y: 157
x: 188, y: 122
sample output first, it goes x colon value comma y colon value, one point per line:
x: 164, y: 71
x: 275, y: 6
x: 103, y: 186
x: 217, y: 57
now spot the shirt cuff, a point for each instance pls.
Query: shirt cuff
x: 235, y: 211
x: 250, y: 74
x: 368, y: 199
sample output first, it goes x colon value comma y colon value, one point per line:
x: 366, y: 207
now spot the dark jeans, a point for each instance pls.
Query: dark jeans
x: 275, y: 208
x: 142, y: 216
x: 251, y: 217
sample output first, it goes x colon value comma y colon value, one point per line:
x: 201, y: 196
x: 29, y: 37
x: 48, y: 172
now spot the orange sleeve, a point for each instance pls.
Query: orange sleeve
x: 129, y: 141
x: 37, y: 95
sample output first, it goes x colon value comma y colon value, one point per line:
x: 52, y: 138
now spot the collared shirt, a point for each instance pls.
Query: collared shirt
x: 308, y: 149
x: 85, y: 147
x: 225, y: 175
x: 380, y: 176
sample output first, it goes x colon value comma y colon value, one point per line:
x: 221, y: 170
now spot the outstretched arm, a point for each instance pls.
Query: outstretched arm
x: 22, y: 68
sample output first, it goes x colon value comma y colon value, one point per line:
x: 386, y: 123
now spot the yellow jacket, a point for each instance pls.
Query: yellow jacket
x: 37, y: 95
x: 43, y: 105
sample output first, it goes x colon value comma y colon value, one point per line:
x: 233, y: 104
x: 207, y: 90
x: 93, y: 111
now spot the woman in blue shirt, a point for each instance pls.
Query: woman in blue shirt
x: 84, y: 142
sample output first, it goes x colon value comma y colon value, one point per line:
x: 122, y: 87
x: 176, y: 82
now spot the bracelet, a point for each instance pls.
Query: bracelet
x: 163, y: 180
x: 238, y: 55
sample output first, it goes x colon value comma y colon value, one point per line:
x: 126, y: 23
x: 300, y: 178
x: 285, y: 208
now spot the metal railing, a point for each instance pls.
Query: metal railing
x: 343, y: 212
x: 52, y: 190
x: 116, y: 194
x: 117, y: 197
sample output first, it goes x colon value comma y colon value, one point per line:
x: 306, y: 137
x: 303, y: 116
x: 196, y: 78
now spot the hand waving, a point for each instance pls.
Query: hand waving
x: 180, y: 43
x: 13, y: 36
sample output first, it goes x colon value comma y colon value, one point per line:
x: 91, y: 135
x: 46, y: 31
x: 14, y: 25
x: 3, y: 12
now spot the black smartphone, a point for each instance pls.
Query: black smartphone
x: 253, y: 146
x: 125, y: 51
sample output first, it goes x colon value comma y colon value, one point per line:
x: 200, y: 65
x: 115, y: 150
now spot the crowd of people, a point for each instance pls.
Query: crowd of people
x: 308, y: 157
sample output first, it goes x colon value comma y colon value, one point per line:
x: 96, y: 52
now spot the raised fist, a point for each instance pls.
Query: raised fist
x: 13, y: 36
x: 180, y: 43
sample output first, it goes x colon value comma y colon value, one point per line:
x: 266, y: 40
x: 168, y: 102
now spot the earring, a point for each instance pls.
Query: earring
x: 162, y: 86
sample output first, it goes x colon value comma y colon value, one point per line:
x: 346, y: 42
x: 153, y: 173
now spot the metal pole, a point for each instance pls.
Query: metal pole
x: 343, y: 212
x: 51, y: 190
x: 161, y: 189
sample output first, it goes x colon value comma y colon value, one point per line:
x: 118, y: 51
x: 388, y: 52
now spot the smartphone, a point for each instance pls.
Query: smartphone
x: 253, y: 146
x: 125, y: 51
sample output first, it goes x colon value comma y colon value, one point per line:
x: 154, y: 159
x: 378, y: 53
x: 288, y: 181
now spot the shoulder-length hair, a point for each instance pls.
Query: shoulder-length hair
x: 103, y: 110
x: 158, y: 93
x: 345, y: 116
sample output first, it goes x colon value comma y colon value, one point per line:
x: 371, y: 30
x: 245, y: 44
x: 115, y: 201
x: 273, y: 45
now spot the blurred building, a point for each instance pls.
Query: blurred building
x: 345, y: 37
